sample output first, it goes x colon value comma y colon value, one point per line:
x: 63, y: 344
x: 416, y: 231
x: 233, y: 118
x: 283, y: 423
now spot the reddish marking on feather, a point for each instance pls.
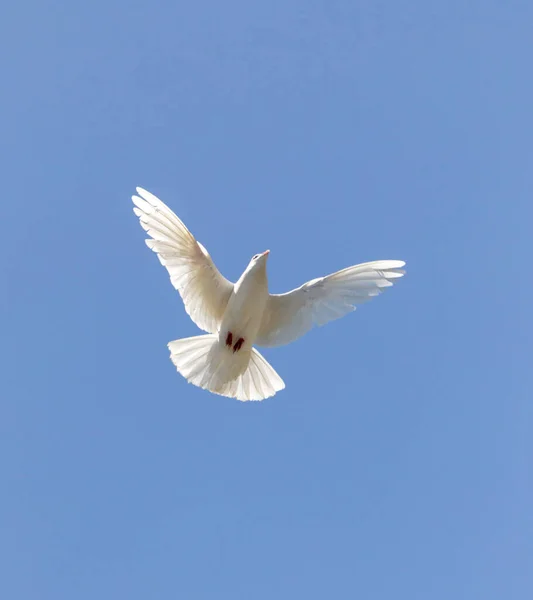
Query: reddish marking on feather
x: 229, y: 339
x: 238, y: 345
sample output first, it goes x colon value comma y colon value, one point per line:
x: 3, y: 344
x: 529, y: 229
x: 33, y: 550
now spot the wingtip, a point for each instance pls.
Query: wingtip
x: 398, y: 264
x: 152, y: 199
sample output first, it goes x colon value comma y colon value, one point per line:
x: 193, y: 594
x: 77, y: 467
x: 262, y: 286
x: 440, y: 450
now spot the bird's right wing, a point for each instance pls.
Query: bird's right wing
x: 288, y: 316
x: 205, y: 292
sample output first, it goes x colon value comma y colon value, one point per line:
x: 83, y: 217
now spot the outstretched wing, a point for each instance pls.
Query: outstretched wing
x: 288, y: 316
x: 205, y: 292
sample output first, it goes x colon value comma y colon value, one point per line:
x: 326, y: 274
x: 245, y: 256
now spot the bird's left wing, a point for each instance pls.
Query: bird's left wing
x: 205, y: 292
x: 288, y: 316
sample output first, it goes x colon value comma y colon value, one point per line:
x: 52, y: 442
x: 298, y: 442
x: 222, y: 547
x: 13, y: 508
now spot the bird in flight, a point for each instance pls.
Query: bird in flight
x: 237, y: 316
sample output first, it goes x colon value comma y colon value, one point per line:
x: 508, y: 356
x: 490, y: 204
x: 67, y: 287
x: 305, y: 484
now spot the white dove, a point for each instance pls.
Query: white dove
x: 238, y: 315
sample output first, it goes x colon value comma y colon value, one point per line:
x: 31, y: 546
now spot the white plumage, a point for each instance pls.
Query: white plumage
x: 237, y: 316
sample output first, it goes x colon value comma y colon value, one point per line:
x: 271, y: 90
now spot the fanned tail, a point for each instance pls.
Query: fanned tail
x: 211, y: 365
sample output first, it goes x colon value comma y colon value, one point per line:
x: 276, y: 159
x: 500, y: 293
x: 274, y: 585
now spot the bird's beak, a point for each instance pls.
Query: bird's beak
x: 266, y: 252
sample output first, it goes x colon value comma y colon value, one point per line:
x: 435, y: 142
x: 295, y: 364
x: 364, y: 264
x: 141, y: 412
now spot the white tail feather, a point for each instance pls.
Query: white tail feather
x: 211, y: 365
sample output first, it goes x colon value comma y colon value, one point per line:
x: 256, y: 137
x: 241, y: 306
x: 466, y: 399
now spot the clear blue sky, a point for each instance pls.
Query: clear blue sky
x: 397, y: 464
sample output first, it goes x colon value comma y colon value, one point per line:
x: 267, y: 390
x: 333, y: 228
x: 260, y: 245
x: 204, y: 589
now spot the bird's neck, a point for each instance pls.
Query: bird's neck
x: 253, y: 281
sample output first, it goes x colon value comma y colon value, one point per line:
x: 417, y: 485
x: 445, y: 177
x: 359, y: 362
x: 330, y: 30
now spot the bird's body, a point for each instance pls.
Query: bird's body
x: 244, y: 313
x: 237, y: 316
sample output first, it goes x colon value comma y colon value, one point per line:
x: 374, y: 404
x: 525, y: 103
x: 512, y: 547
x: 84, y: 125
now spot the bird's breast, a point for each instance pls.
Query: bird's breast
x: 244, y: 311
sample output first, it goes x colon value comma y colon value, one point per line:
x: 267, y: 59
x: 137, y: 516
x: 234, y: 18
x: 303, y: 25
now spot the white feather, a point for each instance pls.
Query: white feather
x: 207, y: 363
x: 289, y: 316
x: 205, y: 292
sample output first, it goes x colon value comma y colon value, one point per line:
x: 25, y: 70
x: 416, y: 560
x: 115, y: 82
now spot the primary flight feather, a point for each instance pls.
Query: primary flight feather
x: 238, y: 315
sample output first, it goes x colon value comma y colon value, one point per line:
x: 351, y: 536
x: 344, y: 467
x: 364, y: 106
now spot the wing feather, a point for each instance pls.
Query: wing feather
x: 319, y: 301
x: 205, y: 292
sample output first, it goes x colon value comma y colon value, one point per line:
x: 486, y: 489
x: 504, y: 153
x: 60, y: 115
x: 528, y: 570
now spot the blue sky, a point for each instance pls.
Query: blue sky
x: 397, y: 463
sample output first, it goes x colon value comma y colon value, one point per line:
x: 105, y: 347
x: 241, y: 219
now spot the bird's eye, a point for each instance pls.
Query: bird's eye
x: 256, y: 256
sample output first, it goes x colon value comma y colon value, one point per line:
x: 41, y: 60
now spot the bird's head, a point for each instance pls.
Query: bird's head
x: 258, y: 261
